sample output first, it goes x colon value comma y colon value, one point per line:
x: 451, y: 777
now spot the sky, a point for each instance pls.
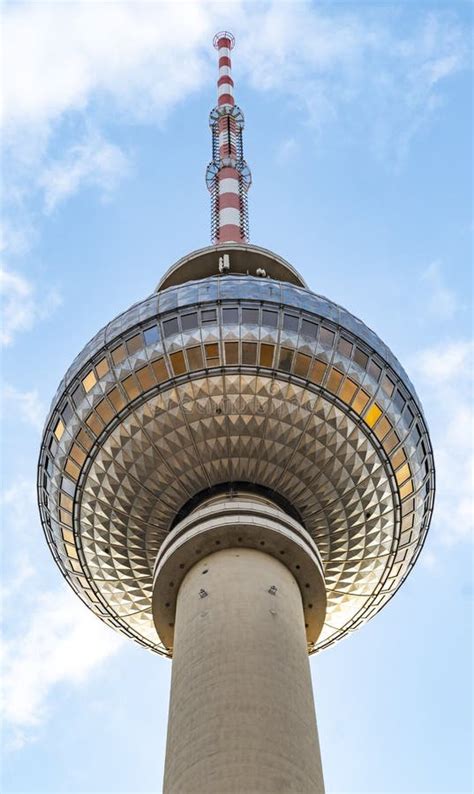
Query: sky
x: 358, y: 134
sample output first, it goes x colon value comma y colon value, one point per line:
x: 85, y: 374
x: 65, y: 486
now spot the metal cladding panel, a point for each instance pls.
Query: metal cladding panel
x: 235, y: 379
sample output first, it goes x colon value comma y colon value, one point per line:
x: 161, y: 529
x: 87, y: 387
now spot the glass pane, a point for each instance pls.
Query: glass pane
x: 361, y: 358
x: 249, y: 353
x: 290, y: 322
x: 270, y: 318
x: 317, y: 371
x: 159, y: 368
x: 102, y: 368
x: 345, y: 347
x: 266, y: 355
x: 326, y: 337
x: 208, y: 316
x: 232, y: 352
x: 286, y: 357
x: 89, y: 381
x: 178, y: 363
x: 309, y: 329
x: 301, y: 365
x: 146, y: 378
x: 151, y: 335
x: 116, y: 399
x: 195, y: 357
x: 230, y: 315
x: 334, y: 380
x: 250, y: 316
x: 170, y: 327
x: 131, y: 387
x: 134, y: 344
x: 118, y: 354
x: 189, y: 321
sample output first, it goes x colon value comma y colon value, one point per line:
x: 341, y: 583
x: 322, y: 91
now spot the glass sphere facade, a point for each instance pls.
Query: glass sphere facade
x: 235, y: 379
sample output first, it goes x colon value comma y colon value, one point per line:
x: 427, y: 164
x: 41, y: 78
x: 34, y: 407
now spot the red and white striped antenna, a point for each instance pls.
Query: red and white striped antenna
x: 228, y: 176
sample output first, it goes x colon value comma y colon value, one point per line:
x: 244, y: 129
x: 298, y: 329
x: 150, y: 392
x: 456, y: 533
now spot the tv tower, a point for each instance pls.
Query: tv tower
x: 236, y: 473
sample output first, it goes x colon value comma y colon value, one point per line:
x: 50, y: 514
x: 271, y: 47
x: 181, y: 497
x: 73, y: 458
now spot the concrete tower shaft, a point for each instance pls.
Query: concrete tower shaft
x: 241, y: 714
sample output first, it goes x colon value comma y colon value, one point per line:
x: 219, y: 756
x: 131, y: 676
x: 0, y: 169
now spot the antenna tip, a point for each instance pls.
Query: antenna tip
x: 218, y: 40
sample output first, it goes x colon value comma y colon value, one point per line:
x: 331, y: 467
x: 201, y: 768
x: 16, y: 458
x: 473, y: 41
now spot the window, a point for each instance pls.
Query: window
x: 230, y: 315
x: 309, y: 329
x: 178, y: 363
x: 372, y: 415
x: 59, y: 429
x: 118, y: 354
x: 301, y: 365
x: 390, y: 442
x: 344, y: 347
x: 116, y: 399
x: 250, y: 316
x: 159, y: 368
x: 232, y: 353
x: 170, y: 327
x: 399, y: 401
x: 348, y: 390
x: 195, y: 357
x: 151, y: 335
x: 131, y: 387
x: 383, y: 426
x: 84, y: 439
x: 398, y: 458
x: 189, y: 321
x: 145, y: 378
x: 286, y: 357
x: 208, y: 316
x: 89, y: 381
x: 249, y: 353
x: 388, y: 385
x: 134, y: 344
x: 66, y: 413
x: 374, y: 370
x: 361, y: 358
x: 270, y: 318
x: 317, y: 371
x: 77, y: 454
x: 95, y: 423
x: 326, y: 337
x: 334, y: 380
x: 102, y: 367
x: 266, y: 355
x: 68, y: 486
x: 212, y: 354
x: 290, y: 322
x: 78, y: 394
x: 360, y: 401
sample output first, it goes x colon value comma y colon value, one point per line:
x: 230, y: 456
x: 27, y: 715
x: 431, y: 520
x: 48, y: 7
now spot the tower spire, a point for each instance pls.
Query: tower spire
x: 228, y: 177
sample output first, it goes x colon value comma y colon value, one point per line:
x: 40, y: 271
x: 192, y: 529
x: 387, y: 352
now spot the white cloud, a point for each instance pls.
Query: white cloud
x: 148, y: 57
x: 94, y: 161
x: 51, y: 637
x: 441, y: 300
x: 447, y: 362
x: 444, y: 378
x: 27, y: 403
x: 62, y: 642
x: 22, y: 305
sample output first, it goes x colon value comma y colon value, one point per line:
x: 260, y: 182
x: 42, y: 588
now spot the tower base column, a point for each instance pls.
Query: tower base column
x: 241, y: 717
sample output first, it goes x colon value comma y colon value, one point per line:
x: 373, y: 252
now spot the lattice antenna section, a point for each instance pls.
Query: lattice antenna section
x: 228, y: 176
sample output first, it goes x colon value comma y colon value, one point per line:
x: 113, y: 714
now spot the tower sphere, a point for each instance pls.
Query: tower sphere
x: 233, y: 381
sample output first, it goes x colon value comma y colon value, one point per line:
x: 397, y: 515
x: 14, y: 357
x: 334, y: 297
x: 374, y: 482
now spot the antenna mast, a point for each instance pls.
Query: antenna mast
x: 228, y: 176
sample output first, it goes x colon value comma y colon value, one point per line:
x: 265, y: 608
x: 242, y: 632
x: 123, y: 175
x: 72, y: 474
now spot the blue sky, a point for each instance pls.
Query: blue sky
x: 358, y: 134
